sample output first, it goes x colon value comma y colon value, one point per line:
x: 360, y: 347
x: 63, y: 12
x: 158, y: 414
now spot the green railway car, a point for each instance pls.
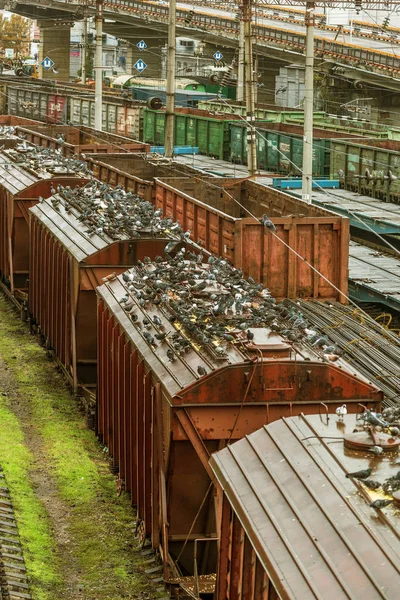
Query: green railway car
x: 370, y: 168
x: 275, y: 114
x: 192, y: 128
x: 279, y: 152
x: 268, y: 112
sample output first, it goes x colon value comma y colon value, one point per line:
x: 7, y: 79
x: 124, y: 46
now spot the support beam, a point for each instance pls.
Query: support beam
x: 240, y: 95
x: 55, y: 43
x: 308, y: 106
x: 248, y: 53
x: 197, y: 442
x: 170, y: 103
x: 98, y: 100
x: 151, y: 56
x: 84, y: 50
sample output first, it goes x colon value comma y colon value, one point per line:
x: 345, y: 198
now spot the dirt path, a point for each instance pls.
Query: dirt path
x: 78, y: 537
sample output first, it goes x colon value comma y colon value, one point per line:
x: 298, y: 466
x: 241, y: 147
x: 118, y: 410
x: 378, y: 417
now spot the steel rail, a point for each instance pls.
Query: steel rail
x: 373, y: 353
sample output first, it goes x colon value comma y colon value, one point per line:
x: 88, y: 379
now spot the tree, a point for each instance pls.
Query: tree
x: 15, y: 33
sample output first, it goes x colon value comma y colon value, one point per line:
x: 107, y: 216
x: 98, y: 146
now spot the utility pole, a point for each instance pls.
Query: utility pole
x: 306, y: 189
x: 84, y: 50
x: 240, y: 80
x: 248, y: 55
x: 170, y: 102
x: 98, y: 97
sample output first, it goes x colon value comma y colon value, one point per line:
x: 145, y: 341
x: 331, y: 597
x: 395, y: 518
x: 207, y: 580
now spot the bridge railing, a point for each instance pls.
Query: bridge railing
x: 264, y: 34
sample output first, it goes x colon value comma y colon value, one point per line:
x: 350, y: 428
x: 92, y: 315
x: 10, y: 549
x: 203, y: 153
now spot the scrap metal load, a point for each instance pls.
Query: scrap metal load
x: 190, y: 358
x: 373, y: 349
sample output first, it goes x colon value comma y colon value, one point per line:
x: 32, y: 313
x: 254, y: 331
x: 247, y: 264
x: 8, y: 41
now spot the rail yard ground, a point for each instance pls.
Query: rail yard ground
x: 78, y: 537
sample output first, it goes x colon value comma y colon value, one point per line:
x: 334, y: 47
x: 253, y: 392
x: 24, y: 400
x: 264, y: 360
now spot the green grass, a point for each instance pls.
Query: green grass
x: 101, y: 525
x: 33, y: 524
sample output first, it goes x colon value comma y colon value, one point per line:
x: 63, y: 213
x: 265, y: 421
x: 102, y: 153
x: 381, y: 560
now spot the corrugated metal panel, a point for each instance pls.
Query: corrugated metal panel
x: 68, y: 230
x: 364, y: 212
x: 312, y: 530
x: 14, y: 178
x: 374, y: 272
x: 175, y: 376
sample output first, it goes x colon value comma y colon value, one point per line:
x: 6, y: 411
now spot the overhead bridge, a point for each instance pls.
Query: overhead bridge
x: 367, y: 53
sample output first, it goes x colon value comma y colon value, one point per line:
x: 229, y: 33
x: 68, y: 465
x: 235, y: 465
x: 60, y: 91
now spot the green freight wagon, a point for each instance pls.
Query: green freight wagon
x: 192, y: 128
x: 267, y: 112
x: 278, y: 151
x: 275, y: 114
x: 214, y: 88
x: 371, y: 168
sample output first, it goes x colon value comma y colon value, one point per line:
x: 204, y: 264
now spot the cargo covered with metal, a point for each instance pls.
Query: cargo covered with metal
x: 217, y: 213
x: 268, y: 112
x: 27, y: 173
x: 74, y: 141
x: 340, y: 124
x: 308, y: 511
x: 192, y: 356
x: 77, y: 238
x: 370, y: 168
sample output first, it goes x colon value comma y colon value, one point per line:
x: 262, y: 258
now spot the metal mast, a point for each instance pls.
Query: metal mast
x: 98, y: 98
x: 84, y: 49
x: 170, y: 103
x: 308, y: 106
x: 248, y: 57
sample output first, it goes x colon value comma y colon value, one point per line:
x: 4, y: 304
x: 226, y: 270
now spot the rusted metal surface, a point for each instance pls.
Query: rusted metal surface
x: 312, y: 529
x: 56, y: 108
x: 136, y: 172
x: 78, y: 141
x: 20, y: 189
x: 218, y: 217
x: 68, y: 261
x: 7, y: 137
x: 161, y: 417
x: 13, y: 121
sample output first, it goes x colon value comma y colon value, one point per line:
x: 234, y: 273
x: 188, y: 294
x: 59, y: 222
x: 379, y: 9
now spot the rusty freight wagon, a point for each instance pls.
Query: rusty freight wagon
x: 26, y: 175
x: 77, y: 238
x: 136, y: 172
x: 218, y: 212
x: 199, y: 363
x: 79, y: 140
x: 293, y: 526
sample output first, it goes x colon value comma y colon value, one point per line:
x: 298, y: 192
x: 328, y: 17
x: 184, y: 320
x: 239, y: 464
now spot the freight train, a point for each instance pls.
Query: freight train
x: 192, y: 353
x: 216, y: 133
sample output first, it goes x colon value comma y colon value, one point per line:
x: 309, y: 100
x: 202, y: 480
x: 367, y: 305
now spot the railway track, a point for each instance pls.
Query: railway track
x: 13, y: 578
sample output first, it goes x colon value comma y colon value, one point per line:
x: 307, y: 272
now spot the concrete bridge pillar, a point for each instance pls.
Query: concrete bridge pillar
x: 55, y: 43
x: 151, y: 56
